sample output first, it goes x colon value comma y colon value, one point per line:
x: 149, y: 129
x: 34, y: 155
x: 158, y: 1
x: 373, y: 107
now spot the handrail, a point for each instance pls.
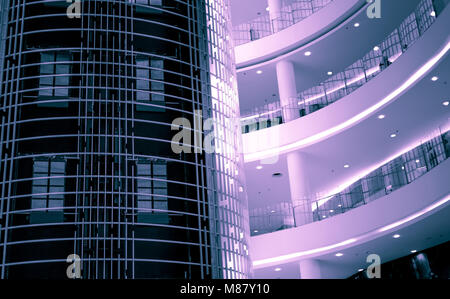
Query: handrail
x: 386, y: 179
x: 263, y: 26
x: 343, y: 83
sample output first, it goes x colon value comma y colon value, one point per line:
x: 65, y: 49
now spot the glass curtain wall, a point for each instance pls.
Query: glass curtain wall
x: 87, y: 165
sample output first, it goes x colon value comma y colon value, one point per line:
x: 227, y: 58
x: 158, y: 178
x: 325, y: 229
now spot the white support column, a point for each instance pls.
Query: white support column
x: 287, y: 88
x: 297, y: 161
x: 310, y: 269
x: 274, y: 12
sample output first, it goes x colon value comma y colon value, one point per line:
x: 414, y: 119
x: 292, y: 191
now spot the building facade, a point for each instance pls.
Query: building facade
x: 90, y: 179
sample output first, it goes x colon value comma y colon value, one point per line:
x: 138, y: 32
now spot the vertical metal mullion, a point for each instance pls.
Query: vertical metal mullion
x: 195, y: 104
x: 8, y: 203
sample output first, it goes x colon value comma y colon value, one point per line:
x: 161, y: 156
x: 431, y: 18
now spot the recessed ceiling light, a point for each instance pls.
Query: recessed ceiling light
x: 331, y: 211
x: 433, y: 13
x: 413, y: 251
x: 277, y: 269
x: 360, y: 270
x: 339, y: 254
x: 381, y: 116
x: 255, y: 231
x: 396, y: 236
x: 308, y: 53
x: 434, y: 78
x: 259, y: 72
x: 273, y: 211
x: 376, y: 48
x: 356, y: 25
x: 417, y: 161
x: 324, y: 216
x: 346, y: 166
x: 446, y: 103
x: 339, y: 206
x: 330, y: 73
x: 259, y: 167
x: 393, y: 135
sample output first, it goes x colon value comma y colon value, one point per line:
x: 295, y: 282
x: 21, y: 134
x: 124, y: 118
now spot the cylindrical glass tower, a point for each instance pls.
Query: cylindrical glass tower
x: 92, y: 93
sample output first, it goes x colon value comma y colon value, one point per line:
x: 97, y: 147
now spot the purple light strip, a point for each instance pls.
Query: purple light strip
x: 253, y: 156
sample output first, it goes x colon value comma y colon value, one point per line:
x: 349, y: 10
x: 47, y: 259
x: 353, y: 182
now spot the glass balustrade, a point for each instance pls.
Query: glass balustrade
x: 264, y: 26
x: 388, y: 178
x: 343, y: 83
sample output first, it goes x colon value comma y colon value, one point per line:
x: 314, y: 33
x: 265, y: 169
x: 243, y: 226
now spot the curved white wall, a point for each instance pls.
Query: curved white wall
x: 399, y: 205
x: 358, y: 105
x: 298, y: 34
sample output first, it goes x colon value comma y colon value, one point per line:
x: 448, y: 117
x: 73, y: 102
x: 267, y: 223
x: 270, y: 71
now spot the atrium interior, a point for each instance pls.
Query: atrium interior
x: 345, y: 124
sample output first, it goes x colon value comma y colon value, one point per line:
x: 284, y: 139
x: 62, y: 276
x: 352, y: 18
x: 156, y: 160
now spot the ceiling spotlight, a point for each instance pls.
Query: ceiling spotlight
x: 330, y: 73
x: 273, y: 211
x: 381, y: 116
x: 376, y: 48
x: 417, y: 161
x: 324, y: 216
x: 259, y: 72
x: 393, y: 135
x: 339, y: 206
x: 308, y: 53
x: 339, y: 254
x: 396, y: 236
x: 346, y: 166
x: 331, y: 211
x: 434, y: 78
x: 433, y: 13
x: 446, y: 103
x: 255, y: 231
x: 360, y: 270
x: 277, y: 269
x: 259, y: 167
x: 413, y: 251
x: 356, y: 25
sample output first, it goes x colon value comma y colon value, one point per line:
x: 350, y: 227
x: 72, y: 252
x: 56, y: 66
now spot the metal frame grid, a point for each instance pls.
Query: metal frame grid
x: 95, y: 123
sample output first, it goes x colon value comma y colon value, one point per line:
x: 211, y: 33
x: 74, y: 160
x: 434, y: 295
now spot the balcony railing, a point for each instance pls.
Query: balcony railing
x: 343, y: 83
x: 263, y: 26
x: 390, y: 177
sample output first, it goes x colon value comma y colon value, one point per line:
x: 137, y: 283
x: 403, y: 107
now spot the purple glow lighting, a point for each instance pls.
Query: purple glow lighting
x: 416, y: 215
x: 292, y: 256
x: 252, y: 156
x: 287, y: 257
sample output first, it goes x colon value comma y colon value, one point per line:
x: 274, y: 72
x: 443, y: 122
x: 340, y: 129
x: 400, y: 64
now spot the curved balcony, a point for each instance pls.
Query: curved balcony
x: 347, y: 81
x: 263, y: 26
x: 401, y: 171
